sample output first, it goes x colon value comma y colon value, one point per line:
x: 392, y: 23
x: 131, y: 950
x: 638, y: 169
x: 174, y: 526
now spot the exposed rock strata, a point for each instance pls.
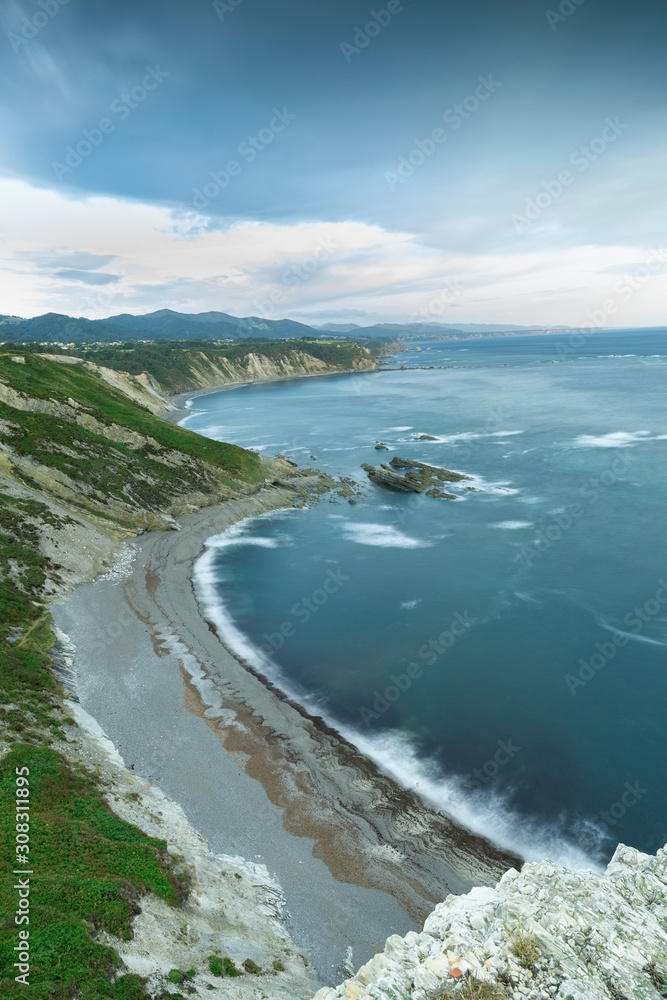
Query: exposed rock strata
x: 598, y: 936
x: 420, y: 478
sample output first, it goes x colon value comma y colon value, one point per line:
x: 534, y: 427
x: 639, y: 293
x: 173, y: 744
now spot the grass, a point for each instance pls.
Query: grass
x: 90, y: 868
x: 472, y: 989
x: 26, y: 680
x: 42, y: 379
x: 222, y: 966
x: 523, y: 946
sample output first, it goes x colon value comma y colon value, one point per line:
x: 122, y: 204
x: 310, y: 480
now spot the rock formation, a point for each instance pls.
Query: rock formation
x: 420, y: 478
x: 545, y: 932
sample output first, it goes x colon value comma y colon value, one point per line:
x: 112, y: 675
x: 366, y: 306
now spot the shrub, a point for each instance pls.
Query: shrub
x: 215, y: 965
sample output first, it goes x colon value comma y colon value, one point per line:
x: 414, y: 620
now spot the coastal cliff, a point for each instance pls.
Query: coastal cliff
x: 153, y: 372
x: 257, y: 367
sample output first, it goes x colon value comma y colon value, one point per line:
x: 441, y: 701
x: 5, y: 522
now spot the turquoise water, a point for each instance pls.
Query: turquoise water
x: 503, y: 653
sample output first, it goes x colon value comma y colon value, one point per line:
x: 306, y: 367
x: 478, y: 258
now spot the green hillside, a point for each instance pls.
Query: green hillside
x: 76, y: 454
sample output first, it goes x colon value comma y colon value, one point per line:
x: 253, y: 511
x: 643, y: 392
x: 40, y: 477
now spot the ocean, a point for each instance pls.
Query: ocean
x: 503, y: 653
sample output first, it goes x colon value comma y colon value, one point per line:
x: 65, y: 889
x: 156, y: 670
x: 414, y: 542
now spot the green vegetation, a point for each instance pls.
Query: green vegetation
x: 26, y: 680
x: 215, y: 965
x: 42, y: 379
x: 251, y: 967
x: 222, y: 966
x: 278, y: 965
x: 89, y: 868
x: 230, y: 968
x: 170, y: 362
x: 523, y: 945
x: 177, y: 977
x: 472, y: 989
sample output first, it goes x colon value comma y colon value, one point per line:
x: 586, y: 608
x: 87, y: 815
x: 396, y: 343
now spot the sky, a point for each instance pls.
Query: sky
x: 335, y: 161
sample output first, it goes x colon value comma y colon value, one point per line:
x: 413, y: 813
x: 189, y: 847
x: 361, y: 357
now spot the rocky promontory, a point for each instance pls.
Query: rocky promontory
x: 544, y: 932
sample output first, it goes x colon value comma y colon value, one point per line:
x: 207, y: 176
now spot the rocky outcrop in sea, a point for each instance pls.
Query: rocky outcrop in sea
x: 419, y: 478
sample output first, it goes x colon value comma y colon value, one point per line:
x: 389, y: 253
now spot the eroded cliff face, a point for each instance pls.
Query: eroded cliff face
x: 545, y: 932
x: 205, y: 372
x: 85, y: 463
x: 258, y: 367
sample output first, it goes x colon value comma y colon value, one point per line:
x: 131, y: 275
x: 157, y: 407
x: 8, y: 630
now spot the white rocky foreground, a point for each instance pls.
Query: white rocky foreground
x: 598, y: 935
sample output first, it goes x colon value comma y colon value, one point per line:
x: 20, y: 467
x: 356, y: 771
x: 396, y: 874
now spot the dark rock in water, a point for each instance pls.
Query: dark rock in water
x: 425, y: 437
x: 419, y: 478
x: 431, y: 471
x: 385, y: 477
x: 381, y: 446
x: 351, y: 500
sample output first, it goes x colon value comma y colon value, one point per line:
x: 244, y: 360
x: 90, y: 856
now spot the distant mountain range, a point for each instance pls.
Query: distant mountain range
x: 166, y: 324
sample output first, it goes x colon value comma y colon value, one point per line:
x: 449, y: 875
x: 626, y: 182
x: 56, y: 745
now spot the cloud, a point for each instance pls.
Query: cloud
x: 87, y: 278
x: 316, y: 271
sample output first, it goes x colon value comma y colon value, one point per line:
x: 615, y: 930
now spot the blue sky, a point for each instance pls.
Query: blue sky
x: 477, y: 162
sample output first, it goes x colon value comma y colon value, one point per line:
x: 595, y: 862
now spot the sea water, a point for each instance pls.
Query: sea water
x: 502, y: 653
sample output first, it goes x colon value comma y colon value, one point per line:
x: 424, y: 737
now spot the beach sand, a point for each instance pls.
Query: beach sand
x: 358, y: 858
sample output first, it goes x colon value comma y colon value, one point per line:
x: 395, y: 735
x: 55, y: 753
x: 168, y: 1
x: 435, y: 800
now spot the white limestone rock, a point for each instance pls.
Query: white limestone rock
x: 597, y: 933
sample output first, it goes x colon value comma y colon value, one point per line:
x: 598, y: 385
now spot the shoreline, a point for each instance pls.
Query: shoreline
x: 178, y: 399
x: 358, y: 857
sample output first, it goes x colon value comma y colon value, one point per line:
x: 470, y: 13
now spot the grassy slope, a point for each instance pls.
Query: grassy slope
x: 42, y: 379
x: 90, y: 867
